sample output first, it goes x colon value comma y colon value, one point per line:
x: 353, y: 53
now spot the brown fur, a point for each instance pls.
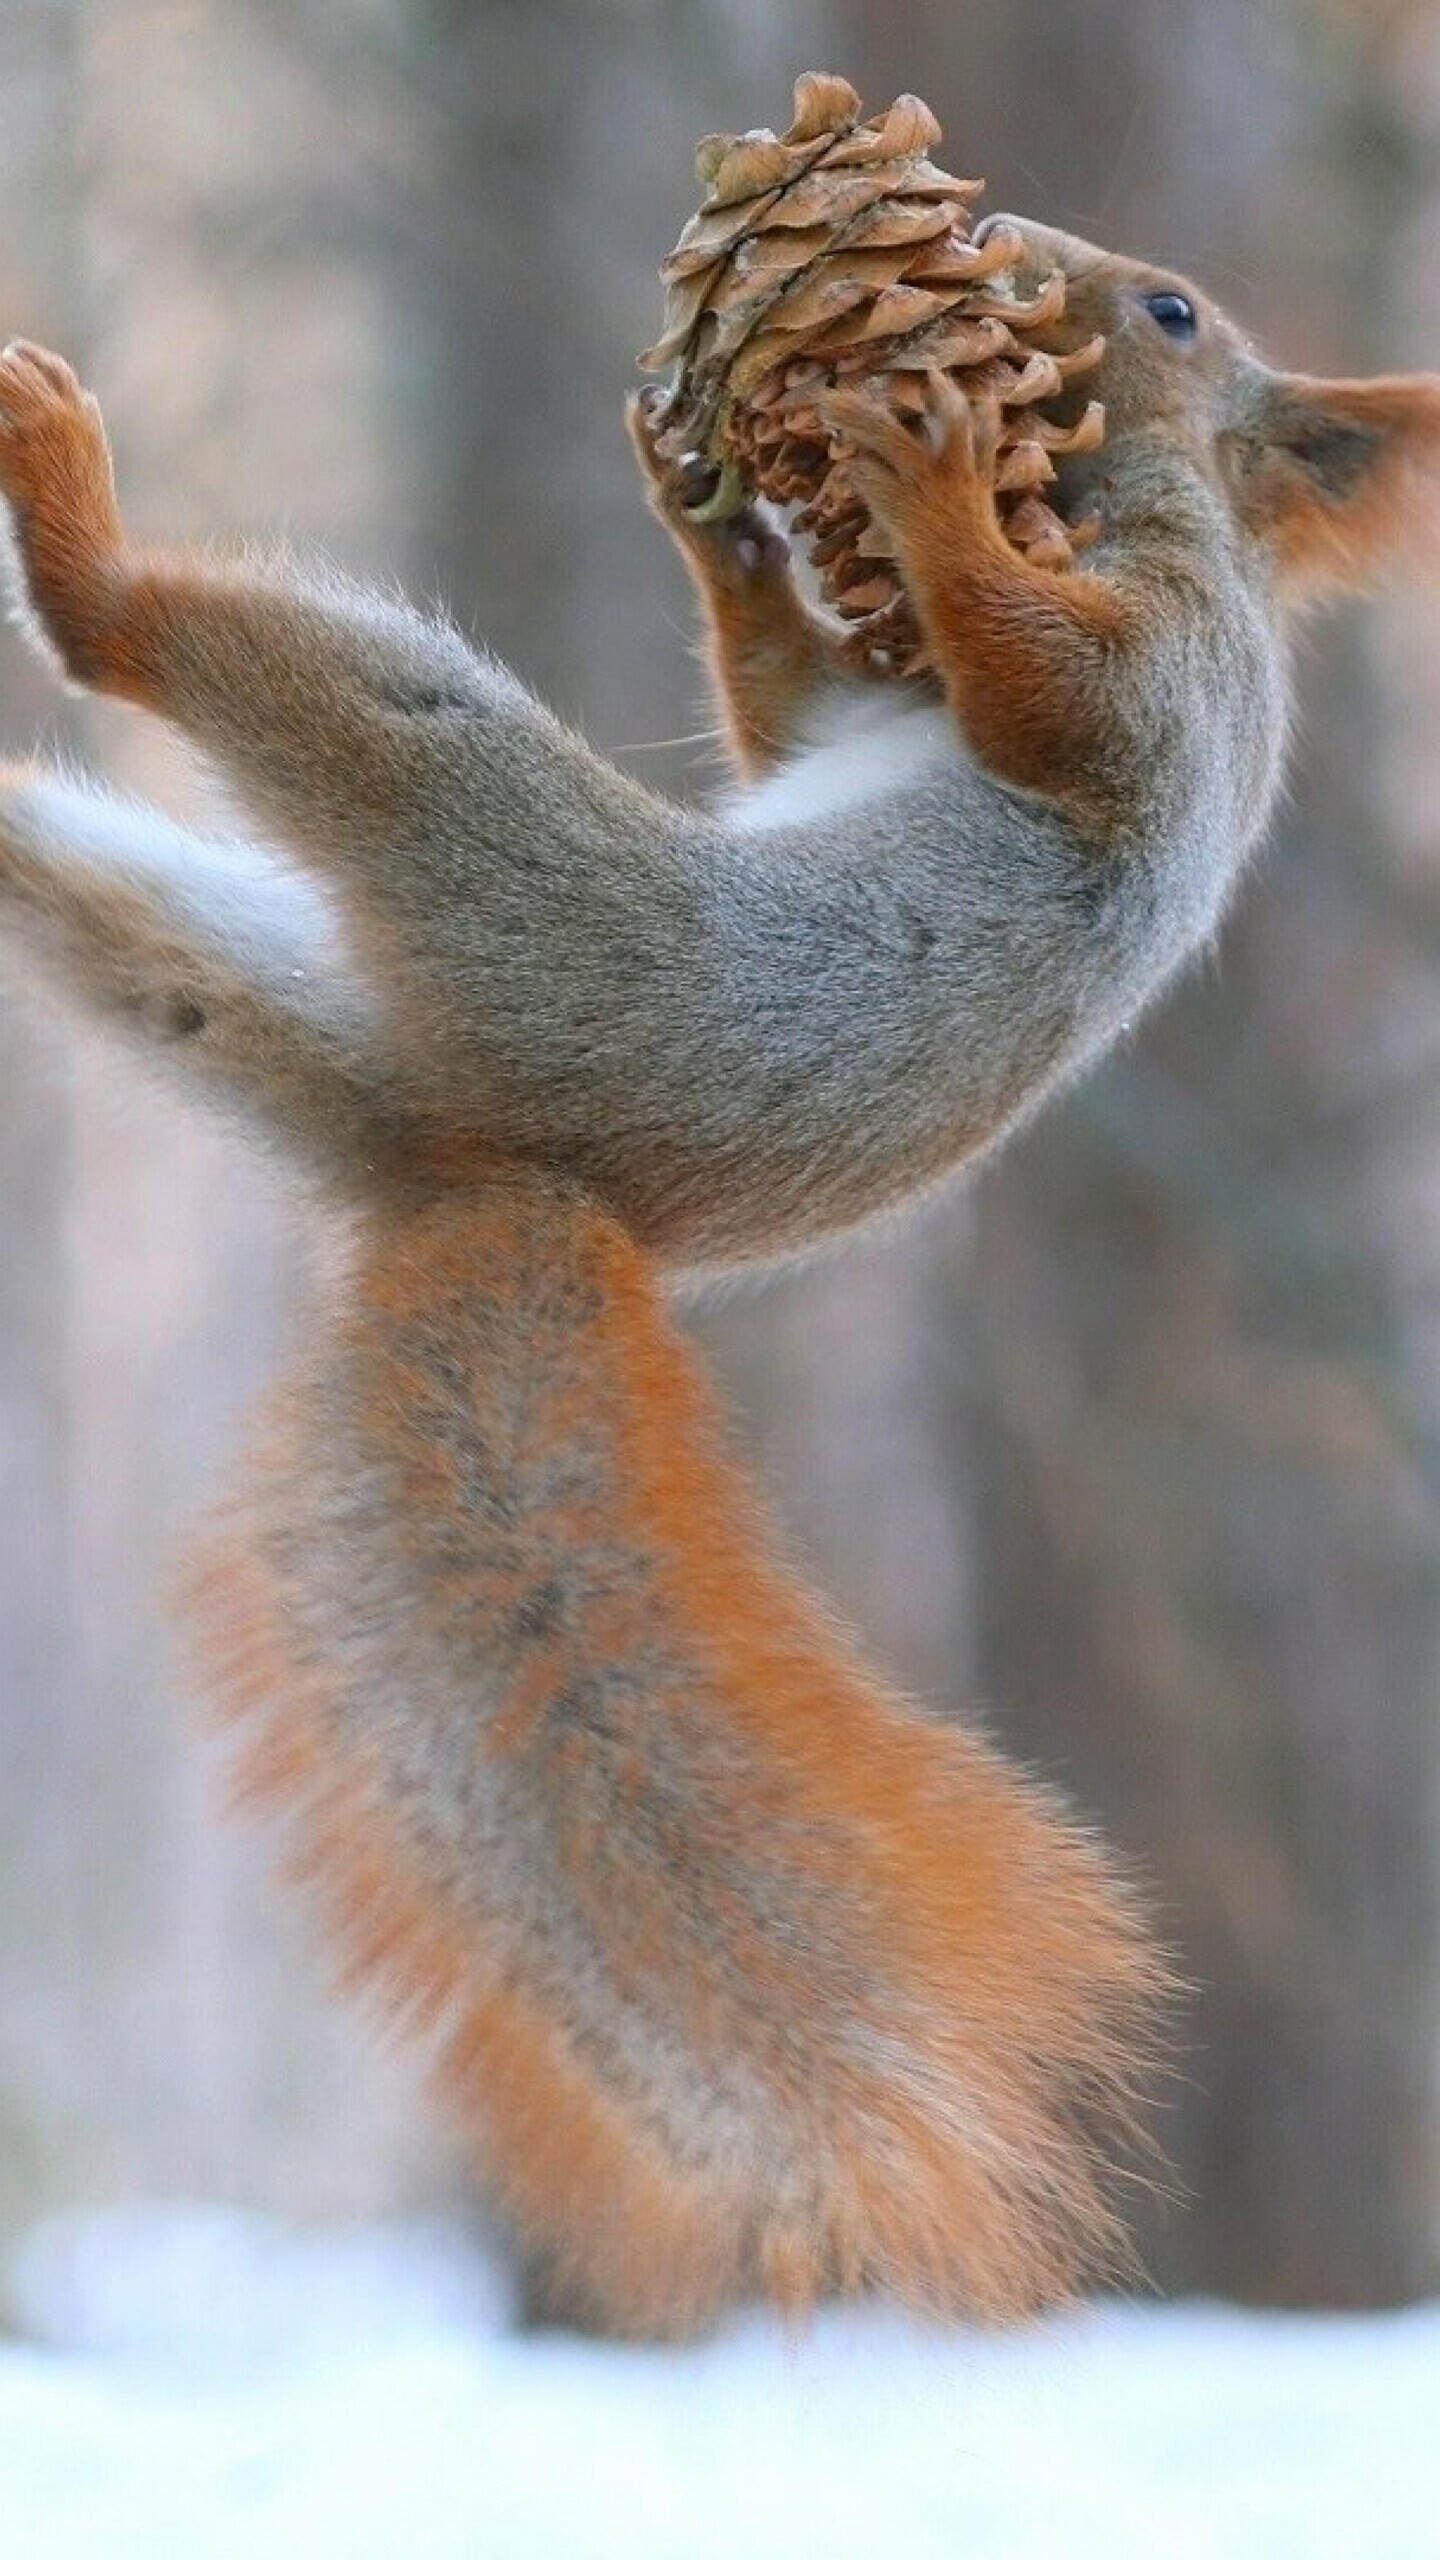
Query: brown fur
x: 767, y: 653
x: 804, y: 1888
x: 1025, y: 654
x: 1340, y: 476
x: 61, y: 488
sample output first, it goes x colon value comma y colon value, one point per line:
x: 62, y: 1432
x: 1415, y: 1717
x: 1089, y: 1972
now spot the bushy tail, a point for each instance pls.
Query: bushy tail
x: 743, y: 1975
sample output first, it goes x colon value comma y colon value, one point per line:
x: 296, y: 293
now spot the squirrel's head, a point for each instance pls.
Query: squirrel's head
x: 1330, y: 479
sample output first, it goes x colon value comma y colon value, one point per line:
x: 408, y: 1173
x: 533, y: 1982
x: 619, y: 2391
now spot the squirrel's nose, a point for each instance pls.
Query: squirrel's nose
x: 994, y: 222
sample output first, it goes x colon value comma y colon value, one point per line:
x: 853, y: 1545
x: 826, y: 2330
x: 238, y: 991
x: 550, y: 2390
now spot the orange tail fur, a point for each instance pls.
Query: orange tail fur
x: 742, y: 1974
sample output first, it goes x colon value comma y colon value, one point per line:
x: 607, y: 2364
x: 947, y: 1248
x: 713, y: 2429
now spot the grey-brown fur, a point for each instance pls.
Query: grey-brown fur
x: 740, y: 1039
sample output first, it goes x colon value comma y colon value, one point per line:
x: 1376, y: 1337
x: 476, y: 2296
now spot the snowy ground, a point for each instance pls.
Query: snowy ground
x: 199, y: 2385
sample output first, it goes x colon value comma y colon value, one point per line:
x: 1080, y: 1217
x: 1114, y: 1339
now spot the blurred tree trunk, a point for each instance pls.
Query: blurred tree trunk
x: 166, y: 2022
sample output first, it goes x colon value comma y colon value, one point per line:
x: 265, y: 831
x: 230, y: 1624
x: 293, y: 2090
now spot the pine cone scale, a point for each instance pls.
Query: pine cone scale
x: 839, y: 251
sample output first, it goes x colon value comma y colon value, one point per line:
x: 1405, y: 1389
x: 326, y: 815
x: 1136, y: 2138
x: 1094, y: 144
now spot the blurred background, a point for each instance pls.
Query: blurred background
x: 1137, y: 1443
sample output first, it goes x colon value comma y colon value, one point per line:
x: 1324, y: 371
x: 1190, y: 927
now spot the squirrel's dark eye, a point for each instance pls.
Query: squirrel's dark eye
x: 1176, y: 314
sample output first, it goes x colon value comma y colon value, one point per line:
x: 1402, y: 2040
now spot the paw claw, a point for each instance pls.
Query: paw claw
x: 870, y: 427
x: 33, y: 380
x: 948, y: 434
x: 947, y: 412
x: 53, y: 369
x: 641, y: 424
x: 39, y: 390
x: 686, y: 494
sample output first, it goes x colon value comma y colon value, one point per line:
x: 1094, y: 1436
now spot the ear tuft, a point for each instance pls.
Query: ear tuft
x: 1337, y: 453
x: 1338, y: 478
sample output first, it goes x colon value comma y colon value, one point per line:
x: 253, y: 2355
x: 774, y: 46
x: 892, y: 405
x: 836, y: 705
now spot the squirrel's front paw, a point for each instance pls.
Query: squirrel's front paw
x: 55, y: 471
x: 943, y: 453
x: 743, y: 543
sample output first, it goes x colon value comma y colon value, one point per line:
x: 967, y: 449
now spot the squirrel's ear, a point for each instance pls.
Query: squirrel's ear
x: 1338, y: 478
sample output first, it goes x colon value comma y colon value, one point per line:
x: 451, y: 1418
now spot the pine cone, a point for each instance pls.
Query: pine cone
x: 839, y: 250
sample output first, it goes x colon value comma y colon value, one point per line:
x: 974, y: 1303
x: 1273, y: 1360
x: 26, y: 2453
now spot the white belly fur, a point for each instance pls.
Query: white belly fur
x: 859, y: 746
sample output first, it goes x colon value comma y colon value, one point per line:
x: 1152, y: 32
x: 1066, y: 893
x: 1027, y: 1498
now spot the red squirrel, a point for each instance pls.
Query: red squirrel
x: 742, y: 1973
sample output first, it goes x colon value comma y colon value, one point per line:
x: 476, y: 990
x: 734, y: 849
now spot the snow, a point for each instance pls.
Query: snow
x: 204, y: 2384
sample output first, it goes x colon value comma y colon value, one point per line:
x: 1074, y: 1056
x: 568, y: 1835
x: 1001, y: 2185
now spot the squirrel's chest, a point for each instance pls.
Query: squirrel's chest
x: 862, y: 747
